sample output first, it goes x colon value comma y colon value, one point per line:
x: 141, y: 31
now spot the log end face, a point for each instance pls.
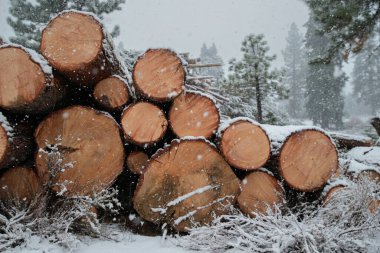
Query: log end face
x: 111, y: 93
x: 159, y: 75
x: 307, y: 160
x: 3, y: 144
x: 245, y: 145
x: 136, y: 162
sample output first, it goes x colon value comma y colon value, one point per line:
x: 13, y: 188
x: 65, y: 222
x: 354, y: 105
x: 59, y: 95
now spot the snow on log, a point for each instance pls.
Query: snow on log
x: 194, y: 114
x: 20, y: 184
x: 244, y: 144
x: 77, y: 45
x: 349, y: 141
x: 136, y: 161
x: 364, y: 161
x: 80, y: 149
x: 186, y: 182
x: 260, y: 191
x: 305, y: 157
x: 112, y: 93
x: 143, y: 123
x: 159, y: 75
x: 15, y: 143
x: 26, y: 81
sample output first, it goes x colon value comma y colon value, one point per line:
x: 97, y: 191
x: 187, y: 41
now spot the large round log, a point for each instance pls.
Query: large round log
x: 77, y: 45
x: 80, y: 150
x: 244, y: 144
x: 26, y: 81
x: 15, y: 143
x: 136, y: 162
x: 305, y: 157
x: 159, y: 75
x: 111, y: 93
x: 193, y: 114
x: 189, y: 181
x: 260, y: 192
x: 20, y: 185
x: 143, y: 123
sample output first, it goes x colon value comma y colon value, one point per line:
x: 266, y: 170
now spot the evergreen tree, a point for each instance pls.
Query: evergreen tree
x: 252, y: 80
x: 348, y: 23
x: 366, y: 76
x: 295, y: 71
x: 28, y: 18
x: 210, y: 55
x: 325, y: 81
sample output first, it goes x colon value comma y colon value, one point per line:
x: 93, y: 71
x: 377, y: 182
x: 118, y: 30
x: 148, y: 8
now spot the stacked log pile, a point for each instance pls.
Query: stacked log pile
x: 189, y: 167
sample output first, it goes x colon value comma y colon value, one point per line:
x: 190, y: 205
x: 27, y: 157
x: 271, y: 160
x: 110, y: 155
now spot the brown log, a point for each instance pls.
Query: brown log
x: 77, y: 45
x: 136, y: 161
x: 89, y: 151
x: 159, y: 75
x: 331, y: 192
x: 376, y: 124
x: 26, y: 81
x: 348, y: 141
x: 189, y: 181
x: 244, y: 144
x: 364, y: 161
x: 111, y: 93
x: 260, y: 192
x: 15, y: 143
x: 143, y: 123
x: 305, y: 157
x: 193, y: 114
x: 20, y: 184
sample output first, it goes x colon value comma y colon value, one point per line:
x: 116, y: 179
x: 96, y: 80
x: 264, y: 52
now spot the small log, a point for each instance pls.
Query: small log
x: 77, y: 45
x: 305, y: 157
x: 159, y: 75
x: 80, y: 150
x: 244, y: 144
x: 364, y: 161
x: 26, y: 81
x: 15, y: 143
x: 205, y: 65
x: 20, y: 185
x: 349, y: 141
x: 193, y: 114
x: 143, y: 123
x: 187, y: 182
x: 136, y: 161
x: 260, y: 192
x: 111, y: 93
x: 331, y: 192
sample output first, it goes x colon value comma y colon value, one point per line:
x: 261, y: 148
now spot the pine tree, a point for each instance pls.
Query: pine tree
x: 252, y: 80
x: 325, y: 81
x: 28, y: 19
x: 366, y: 76
x: 295, y: 71
x: 210, y: 55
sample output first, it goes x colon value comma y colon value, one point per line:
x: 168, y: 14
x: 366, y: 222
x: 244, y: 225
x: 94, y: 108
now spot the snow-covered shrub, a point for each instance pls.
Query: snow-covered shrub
x: 344, y: 224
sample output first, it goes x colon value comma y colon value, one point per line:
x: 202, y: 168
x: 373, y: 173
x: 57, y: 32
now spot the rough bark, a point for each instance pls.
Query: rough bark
x: 348, y: 141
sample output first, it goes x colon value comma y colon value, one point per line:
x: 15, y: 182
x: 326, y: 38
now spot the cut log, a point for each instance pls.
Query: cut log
x: 331, y: 192
x: 136, y: 161
x: 159, y: 75
x: 305, y: 157
x: 187, y: 182
x: 15, y: 143
x: 80, y: 150
x: 20, y: 185
x: 364, y: 161
x: 77, y: 45
x: 26, y: 81
x: 111, y: 93
x: 349, y: 141
x: 260, y: 193
x: 376, y: 124
x: 244, y: 144
x: 193, y: 114
x: 143, y: 123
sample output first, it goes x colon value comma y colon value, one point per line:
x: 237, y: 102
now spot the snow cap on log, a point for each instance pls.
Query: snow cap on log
x: 260, y: 192
x: 349, y: 141
x: 159, y: 75
x: 364, y: 161
x: 77, y: 45
x: 26, y: 81
x: 306, y: 157
x: 186, y: 183
x: 244, y: 144
x: 194, y: 114
x: 80, y: 149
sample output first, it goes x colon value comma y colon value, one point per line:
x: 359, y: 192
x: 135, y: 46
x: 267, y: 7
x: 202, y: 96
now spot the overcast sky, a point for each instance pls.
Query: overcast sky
x: 185, y: 24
